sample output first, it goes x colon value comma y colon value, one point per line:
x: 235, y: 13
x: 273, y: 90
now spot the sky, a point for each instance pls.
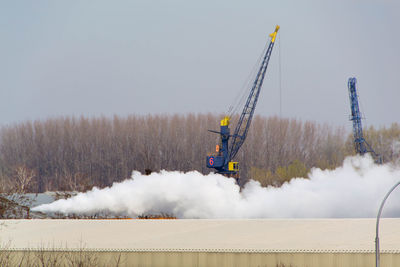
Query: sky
x: 92, y: 58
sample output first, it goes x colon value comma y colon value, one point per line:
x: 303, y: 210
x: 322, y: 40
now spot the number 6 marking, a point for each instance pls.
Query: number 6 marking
x: 211, y: 161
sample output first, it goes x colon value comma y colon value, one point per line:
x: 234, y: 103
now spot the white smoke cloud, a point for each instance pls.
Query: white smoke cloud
x: 355, y: 189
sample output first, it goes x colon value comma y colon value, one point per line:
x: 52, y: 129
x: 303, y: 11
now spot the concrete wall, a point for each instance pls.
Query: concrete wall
x: 187, y: 259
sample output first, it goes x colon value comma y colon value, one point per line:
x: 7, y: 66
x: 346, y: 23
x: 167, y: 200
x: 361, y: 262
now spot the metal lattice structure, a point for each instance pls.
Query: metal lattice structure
x: 360, y: 144
x: 248, y: 111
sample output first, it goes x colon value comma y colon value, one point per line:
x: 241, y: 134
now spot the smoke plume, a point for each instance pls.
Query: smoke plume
x: 351, y: 191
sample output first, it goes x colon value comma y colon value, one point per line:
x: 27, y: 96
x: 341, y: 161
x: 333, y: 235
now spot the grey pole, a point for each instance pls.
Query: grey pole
x: 377, y: 258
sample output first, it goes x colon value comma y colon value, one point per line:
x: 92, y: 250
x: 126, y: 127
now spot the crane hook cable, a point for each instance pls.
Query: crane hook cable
x: 280, y: 76
x: 245, y: 88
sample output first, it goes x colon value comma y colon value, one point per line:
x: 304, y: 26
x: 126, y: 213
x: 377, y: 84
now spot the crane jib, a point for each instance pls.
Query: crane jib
x: 361, y: 146
x: 248, y: 110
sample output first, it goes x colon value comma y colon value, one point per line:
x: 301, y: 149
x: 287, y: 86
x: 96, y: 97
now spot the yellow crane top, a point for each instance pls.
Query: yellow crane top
x: 225, y: 121
x: 273, y: 35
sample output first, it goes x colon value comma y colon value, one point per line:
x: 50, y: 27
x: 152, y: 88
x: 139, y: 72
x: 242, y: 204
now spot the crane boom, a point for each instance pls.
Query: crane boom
x: 360, y: 144
x: 222, y: 161
x: 248, y: 111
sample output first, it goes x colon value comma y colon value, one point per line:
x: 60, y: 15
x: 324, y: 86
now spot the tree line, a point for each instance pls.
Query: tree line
x: 76, y: 153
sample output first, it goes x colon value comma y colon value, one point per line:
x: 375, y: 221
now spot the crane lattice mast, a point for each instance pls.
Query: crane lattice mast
x: 360, y: 144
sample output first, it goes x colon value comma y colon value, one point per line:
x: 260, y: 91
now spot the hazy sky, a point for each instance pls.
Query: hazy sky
x: 140, y: 57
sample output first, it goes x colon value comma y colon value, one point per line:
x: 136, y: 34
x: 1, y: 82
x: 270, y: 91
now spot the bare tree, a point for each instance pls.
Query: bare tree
x: 74, y: 153
x: 24, y: 177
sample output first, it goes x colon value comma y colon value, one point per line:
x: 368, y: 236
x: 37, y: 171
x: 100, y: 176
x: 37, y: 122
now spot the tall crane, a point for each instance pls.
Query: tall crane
x: 360, y: 144
x: 222, y: 161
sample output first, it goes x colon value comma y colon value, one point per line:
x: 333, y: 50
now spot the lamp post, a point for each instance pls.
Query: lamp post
x: 377, y: 258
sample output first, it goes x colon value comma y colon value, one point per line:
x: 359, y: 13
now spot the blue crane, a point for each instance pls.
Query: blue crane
x: 360, y: 144
x: 222, y: 161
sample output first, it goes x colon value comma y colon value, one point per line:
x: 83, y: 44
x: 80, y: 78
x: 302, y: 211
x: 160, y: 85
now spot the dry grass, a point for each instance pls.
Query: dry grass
x: 55, y: 257
x: 62, y: 257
